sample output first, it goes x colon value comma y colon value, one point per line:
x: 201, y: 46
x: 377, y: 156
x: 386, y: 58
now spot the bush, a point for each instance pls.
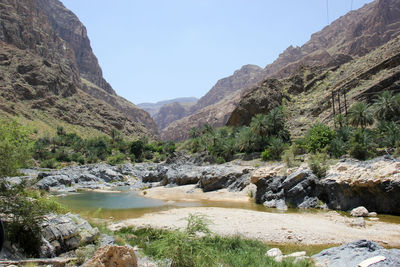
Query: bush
x: 24, y: 216
x: 137, y: 148
x: 337, y: 147
x: 317, y: 164
x: 266, y: 155
x: 78, y: 157
x: 289, y: 157
x: 169, y: 147
x: 15, y: 147
x: 276, y: 147
x: 50, y: 163
x: 318, y: 137
x: 116, y: 159
x: 362, y: 144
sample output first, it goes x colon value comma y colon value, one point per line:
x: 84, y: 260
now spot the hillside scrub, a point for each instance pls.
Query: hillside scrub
x: 66, y: 148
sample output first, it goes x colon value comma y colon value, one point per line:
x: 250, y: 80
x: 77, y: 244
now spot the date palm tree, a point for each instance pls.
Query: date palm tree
x: 360, y: 114
x: 385, y: 106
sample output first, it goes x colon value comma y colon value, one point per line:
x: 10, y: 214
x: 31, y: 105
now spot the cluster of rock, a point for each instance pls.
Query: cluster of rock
x: 177, y: 170
x: 63, y: 233
x: 361, y: 253
x: 87, y: 176
x: 374, y: 184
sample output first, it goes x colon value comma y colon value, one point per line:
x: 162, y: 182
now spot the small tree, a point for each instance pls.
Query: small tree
x: 15, y: 147
x: 318, y: 137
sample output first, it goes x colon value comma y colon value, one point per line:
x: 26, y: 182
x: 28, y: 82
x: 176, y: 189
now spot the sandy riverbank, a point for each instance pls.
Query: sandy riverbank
x: 304, y: 228
x: 327, y: 227
x: 191, y: 193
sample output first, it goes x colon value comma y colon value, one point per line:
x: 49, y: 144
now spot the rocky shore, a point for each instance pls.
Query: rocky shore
x: 374, y: 184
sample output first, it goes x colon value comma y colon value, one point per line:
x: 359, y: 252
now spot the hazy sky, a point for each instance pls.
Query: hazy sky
x: 152, y: 50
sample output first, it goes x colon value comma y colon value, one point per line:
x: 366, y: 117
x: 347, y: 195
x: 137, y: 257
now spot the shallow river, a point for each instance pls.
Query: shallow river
x: 128, y: 204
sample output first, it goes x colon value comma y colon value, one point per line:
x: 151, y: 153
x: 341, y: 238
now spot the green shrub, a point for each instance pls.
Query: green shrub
x: 337, y: 147
x: 137, y: 148
x: 24, y: 216
x: 318, y: 165
x: 266, y: 155
x: 276, y: 147
x: 219, y: 160
x: 116, y: 159
x: 390, y: 133
x: 299, y: 147
x: 288, y: 157
x: 62, y: 155
x: 318, y: 137
x: 169, y: 147
x: 78, y: 157
x: 362, y: 144
x: 50, y: 163
x: 15, y: 147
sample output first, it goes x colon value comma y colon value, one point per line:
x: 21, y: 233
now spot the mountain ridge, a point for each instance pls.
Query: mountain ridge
x: 351, y: 36
x: 42, y: 79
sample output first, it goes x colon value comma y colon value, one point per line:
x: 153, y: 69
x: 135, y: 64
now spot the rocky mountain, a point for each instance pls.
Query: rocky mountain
x: 50, y: 76
x: 308, y: 92
x: 214, y: 107
x: 153, y: 108
x: 247, y: 76
x: 347, y: 39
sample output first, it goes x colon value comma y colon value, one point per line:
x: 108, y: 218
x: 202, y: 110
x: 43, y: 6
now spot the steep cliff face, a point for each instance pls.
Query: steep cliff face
x: 348, y: 38
x: 246, y: 76
x: 67, y: 25
x: 42, y: 78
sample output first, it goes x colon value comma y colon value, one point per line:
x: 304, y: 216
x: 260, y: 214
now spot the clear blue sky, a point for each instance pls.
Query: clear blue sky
x: 152, y: 50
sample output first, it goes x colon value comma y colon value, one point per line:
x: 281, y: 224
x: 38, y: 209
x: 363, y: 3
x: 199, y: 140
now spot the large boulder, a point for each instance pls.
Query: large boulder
x: 359, y: 212
x: 222, y: 176
x: 111, y: 255
x: 62, y: 233
x: 352, y: 254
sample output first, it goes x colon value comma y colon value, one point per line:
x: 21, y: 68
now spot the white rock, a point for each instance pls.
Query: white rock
x: 359, y: 212
x: 274, y: 252
x: 297, y: 254
x: 372, y: 214
x: 371, y: 261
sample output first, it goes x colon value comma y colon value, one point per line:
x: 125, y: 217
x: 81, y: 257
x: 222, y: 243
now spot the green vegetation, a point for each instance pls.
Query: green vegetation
x: 65, y: 148
x: 318, y: 164
x: 197, y: 246
x: 24, y: 210
x: 367, y: 131
x: 15, y: 147
x: 266, y: 133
